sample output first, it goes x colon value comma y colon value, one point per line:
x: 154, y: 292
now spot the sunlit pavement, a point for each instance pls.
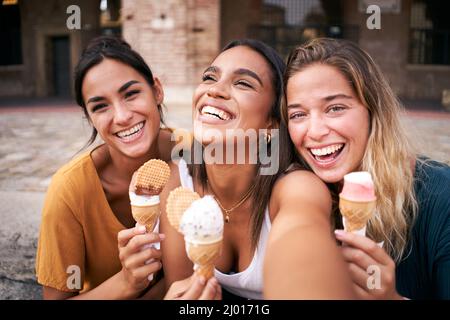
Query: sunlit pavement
x: 36, y: 140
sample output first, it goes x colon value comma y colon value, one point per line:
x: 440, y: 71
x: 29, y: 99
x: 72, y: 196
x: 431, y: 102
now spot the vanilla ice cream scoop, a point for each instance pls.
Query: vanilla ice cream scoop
x: 358, y: 186
x: 142, y: 200
x: 202, y: 222
x: 145, y: 210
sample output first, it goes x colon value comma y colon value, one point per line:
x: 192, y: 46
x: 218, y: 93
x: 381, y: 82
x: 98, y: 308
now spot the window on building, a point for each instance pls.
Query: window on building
x: 430, y: 32
x: 287, y: 23
x: 110, y: 21
x: 10, y: 37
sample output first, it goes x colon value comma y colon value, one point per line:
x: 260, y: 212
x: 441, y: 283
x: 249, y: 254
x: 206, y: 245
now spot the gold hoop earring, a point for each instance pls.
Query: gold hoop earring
x: 268, y: 137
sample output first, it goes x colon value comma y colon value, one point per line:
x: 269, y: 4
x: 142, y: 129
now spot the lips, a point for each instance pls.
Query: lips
x: 131, y: 133
x: 214, y: 113
x: 326, y: 154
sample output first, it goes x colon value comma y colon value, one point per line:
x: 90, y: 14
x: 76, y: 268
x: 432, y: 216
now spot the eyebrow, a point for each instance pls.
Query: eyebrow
x: 327, y: 98
x: 127, y: 85
x: 95, y: 99
x: 240, y: 71
x: 121, y: 89
x: 212, y: 69
x: 250, y: 73
x: 337, y: 96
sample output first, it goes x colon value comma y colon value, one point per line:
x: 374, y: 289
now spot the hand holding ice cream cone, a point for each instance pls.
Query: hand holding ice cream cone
x: 146, y: 185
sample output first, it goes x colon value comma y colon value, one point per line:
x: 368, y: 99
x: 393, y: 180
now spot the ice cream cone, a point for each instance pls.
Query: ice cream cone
x: 203, y: 256
x: 356, y: 213
x: 146, y: 215
x: 202, y: 227
x: 151, y: 176
x: 178, y: 201
x: 357, y: 201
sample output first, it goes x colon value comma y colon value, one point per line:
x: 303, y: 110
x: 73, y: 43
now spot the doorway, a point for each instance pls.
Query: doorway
x: 61, y: 66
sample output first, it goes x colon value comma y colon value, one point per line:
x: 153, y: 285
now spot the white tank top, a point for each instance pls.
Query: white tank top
x: 248, y: 283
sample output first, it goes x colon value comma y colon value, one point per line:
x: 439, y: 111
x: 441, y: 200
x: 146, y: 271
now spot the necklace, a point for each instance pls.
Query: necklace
x: 237, y: 205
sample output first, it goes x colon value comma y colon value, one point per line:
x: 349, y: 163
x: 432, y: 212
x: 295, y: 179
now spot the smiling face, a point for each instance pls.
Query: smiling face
x: 236, y: 93
x: 327, y: 122
x: 122, y: 106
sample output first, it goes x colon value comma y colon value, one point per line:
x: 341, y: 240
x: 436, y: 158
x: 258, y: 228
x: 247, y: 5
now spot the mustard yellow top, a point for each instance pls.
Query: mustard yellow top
x: 78, y: 229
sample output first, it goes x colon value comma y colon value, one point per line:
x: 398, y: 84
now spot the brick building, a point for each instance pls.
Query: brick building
x: 40, y: 50
x: 178, y: 38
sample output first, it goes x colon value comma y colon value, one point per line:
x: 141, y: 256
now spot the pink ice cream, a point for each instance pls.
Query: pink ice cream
x: 358, y: 186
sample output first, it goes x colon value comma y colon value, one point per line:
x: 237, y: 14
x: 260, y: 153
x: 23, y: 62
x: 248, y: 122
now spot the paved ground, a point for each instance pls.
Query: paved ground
x: 34, y: 142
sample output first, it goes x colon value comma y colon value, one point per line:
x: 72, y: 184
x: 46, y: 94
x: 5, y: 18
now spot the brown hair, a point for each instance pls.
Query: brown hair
x: 263, y: 183
x: 109, y: 47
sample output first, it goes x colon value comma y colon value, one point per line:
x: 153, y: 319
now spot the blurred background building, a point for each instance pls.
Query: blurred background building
x: 179, y: 38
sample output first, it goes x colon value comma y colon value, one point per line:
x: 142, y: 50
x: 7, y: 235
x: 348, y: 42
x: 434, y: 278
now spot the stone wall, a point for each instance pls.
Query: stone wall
x: 41, y: 20
x: 236, y: 17
x: 177, y: 38
x: 389, y: 47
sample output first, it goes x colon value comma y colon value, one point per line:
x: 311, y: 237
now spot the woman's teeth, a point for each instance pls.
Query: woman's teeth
x: 130, y: 132
x: 215, y: 113
x: 327, y: 151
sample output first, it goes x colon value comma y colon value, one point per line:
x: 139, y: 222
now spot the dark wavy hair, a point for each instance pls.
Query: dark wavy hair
x: 101, y: 48
x: 263, y: 183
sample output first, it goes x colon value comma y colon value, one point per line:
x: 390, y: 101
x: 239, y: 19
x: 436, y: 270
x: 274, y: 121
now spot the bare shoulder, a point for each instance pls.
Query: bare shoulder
x: 300, y: 201
x: 300, y: 184
x: 300, y: 197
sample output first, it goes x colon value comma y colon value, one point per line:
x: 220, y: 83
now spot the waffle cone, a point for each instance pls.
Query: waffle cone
x: 146, y: 215
x: 203, y: 256
x: 356, y: 213
x: 153, y: 175
x: 178, y: 201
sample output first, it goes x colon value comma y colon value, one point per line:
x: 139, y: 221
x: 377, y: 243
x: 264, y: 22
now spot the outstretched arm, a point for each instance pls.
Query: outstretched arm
x: 302, y: 259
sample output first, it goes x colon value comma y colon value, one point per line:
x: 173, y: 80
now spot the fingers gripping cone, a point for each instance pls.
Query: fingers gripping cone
x: 357, y: 201
x: 151, y: 176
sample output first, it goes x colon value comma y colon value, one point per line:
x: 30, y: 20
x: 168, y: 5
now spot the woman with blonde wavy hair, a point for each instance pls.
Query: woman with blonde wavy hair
x: 343, y: 116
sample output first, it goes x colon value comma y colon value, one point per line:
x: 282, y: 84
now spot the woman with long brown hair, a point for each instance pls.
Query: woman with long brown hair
x: 88, y: 246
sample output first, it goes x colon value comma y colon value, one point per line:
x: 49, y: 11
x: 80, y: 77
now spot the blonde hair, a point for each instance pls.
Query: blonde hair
x: 389, y: 154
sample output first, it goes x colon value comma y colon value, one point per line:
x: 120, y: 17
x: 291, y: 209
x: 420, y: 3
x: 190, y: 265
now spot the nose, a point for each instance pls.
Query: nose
x: 317, y: 128
x: 122, y: 114
x: 218, y: 90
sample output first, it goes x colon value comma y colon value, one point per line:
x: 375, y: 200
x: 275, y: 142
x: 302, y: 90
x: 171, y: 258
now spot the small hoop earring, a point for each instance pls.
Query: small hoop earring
x: 268, y: 137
